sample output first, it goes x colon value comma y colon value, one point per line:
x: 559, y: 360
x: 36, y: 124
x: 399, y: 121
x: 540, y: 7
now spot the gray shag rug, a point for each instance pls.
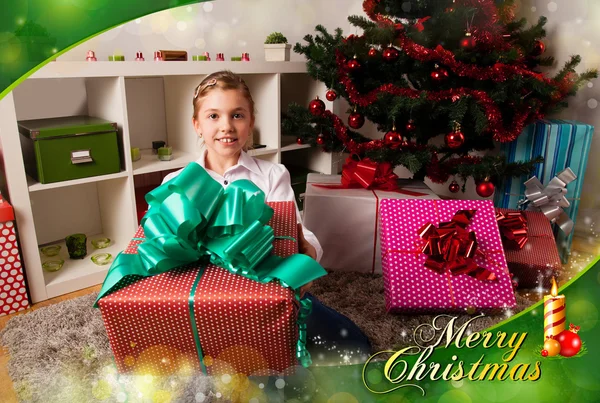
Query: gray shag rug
x: 61, y: 352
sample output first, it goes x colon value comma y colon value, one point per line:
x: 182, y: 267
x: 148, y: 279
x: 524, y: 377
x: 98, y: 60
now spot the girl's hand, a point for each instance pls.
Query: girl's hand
x: 304, y: 246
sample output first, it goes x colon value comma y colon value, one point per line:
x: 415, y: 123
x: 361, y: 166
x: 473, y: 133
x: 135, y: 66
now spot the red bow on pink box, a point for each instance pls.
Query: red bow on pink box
x: 452, y: 247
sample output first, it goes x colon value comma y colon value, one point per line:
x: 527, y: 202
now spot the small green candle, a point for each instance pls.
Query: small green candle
x: 236, y: 58
x: 202, y: 58
x: 195, y: 58
x: 111, y: 58
x: 136, y: 155
x: 165, y: 153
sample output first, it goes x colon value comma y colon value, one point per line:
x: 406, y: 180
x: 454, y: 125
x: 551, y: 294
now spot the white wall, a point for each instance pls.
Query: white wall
x: 236, y: 26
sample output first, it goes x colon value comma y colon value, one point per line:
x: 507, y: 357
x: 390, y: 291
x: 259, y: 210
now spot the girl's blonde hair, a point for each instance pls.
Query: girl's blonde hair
x: 223, y: 80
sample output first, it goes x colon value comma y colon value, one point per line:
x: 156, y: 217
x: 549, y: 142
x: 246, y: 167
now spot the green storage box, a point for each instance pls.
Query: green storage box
x: 73, y: 147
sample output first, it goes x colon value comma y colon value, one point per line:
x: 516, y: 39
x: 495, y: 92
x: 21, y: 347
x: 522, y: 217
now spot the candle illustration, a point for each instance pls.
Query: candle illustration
x: 554, y: 312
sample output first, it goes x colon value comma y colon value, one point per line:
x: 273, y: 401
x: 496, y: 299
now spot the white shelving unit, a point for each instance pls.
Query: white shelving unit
x: 148, y: 101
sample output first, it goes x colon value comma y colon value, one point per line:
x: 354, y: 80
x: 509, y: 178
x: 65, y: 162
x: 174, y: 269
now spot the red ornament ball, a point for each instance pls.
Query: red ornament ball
x: 299, y: 141
x: 570, y: 343
x: 454, y: 187
x: 373, y: 52
x: 410, y: 126
x: 356, y: 120
x: 455, y: 139
x: 393, y: 138
x: 390, y: 54
x: 316, y: 107
x: 331, y: 95
x: 468, y: 42
x: 538, y: 48
x: 353, y: 65
x: 439, y: 74
x: 320, y: 139
x: 544, y: 353
x: 485, y: 188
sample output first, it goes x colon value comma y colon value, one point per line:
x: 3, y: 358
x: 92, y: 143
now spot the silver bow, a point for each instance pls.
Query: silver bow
x: 551, y: 199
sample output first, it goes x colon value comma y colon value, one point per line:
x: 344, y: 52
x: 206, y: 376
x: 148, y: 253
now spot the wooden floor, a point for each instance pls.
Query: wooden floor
x: 585, y: 251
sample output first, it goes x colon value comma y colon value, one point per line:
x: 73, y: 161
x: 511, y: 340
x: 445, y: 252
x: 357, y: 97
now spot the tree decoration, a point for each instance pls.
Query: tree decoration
x: 299, y: 141
x: 390, y: 54
x: 316, y: 106
x: 331, y: 95
x: 455, y: 139
x: 354, y: 65
x: 412, y: 64
x: 439, y: 74
x: 454, y: 187
x: 393, y: 138
x: 356, y: 120
x: 320, y: 139
x: 485, y: 188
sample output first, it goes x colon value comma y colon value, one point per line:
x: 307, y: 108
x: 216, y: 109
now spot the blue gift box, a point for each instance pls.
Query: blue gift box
x: 562, y: 143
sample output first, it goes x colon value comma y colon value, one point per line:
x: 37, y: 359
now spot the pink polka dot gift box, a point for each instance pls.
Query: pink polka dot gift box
x: 13, y: 294
x: 242, y: 326
x: 443, y: 256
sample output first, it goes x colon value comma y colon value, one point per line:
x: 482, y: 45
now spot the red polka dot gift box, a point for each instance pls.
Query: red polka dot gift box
x: 243, y: 326
x: 13, y: 294
x: 530, y: 247
x: 443, y: 256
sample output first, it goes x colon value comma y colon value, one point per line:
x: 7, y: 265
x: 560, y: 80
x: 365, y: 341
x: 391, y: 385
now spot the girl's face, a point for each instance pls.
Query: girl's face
x: 225, y: 122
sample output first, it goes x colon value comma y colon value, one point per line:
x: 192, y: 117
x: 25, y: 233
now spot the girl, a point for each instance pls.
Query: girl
x: 224, y: 119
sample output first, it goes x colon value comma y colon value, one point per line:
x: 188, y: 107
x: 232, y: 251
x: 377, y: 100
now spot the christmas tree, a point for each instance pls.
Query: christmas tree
x: 465, y: 69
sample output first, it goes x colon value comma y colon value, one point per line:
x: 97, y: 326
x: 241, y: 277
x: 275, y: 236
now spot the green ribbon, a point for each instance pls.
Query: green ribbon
x: 192, y: 216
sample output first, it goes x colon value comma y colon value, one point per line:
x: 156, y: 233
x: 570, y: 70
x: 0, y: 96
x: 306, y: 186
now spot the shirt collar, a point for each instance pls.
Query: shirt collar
x: 245, y: 161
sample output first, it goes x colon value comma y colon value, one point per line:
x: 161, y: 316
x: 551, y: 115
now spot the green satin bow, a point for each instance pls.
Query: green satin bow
x: 192, y: 216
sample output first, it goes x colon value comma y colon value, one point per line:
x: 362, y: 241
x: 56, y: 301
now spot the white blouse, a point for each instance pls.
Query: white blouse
x: 273, y: 179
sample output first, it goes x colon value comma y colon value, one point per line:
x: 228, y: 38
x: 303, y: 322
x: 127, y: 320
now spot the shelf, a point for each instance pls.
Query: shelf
x: 78, y: 273
x: 35, y: 186
x: 150, y: 162
x: 151, y: 68
x: 288, y: 143
x: 262, y: 151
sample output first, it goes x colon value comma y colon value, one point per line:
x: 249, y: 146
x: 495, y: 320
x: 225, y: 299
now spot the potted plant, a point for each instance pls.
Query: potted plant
x: 277, y: 48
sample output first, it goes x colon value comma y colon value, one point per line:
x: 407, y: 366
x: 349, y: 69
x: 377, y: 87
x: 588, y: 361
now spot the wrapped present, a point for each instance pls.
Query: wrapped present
x: 345, y: 220
x: 443, y: 255
x: 563, y: 144
x: 206, y: 285
x: 529, y: 247
x: 13, y: 293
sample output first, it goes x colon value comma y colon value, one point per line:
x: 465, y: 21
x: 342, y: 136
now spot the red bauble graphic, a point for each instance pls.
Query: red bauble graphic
x: 468, y: 42
x: 410, y: 126
x: 455, y: 139
x: 331, y: 95
x: 544, y: 353
x: 390, y: 54
x: 439, y: 75
x: 393, y: 138
x: 538, y: 48
x: 320, y: 139
x: 485, y: 188
x: 356, y: 120
x: 299, y: 140
x: 353, y: 65
x: 316, y: 107
x: 373, y: 52
x: 570, y: 342
x: 454, y: 187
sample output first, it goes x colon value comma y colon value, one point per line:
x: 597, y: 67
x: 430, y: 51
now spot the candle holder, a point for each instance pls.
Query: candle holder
x: 136, y: 154
x: 53, y: 265
x: 165, y: 153
x: 101, y: 259
x: 51, y: 250
x: 156, y: 145
x: 101, y: 243
x: 76, y: 245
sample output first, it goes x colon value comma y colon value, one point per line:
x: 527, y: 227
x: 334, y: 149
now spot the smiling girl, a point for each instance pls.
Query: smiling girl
x: 224, y: 119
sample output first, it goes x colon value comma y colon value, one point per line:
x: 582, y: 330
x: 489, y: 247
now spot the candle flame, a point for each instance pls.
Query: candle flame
x: 554, y: 289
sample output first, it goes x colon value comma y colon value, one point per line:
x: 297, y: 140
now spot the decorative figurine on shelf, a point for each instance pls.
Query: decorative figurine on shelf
x: 207, y: 55
x: 139, y: 57
x: 245, y: 57
x: 76, y: 245
x: 276, y: 48
x: 91, y: 56
x: 220, y: 57
x: 158, y: 57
